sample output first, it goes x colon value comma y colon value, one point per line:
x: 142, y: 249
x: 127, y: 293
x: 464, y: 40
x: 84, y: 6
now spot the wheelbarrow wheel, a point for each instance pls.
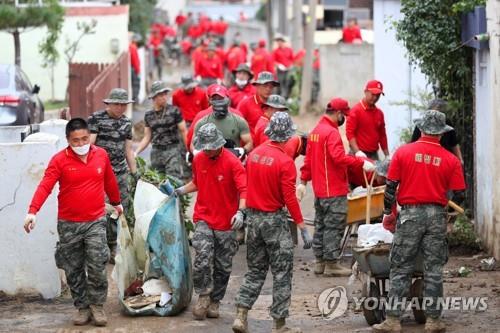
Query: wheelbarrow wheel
x: 417, y: 290
x: 371, y: 307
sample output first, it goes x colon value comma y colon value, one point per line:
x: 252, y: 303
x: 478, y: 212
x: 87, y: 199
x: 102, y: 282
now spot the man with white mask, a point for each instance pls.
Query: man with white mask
x: 85, y: 176
x: 242, y: 87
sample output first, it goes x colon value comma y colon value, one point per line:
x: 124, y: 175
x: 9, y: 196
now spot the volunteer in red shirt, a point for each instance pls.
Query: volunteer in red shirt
x: 271, y: 188
x: 234, y: 56
x: 155, y: 43
x: 189, y: 98
x: 366, y: 125
x: 135, y: 65
x: 355, y: 174
x: 220, y: 179
x: 84, y: 174
x: 262, y: 60
x: 275, y: 103
x: 424, y: 172
x: 316, y: 82
x: 351, y: 33
x: 242, y: 88
x: 283, y: 59
x: 251, y: 107
x: 214, y: 92
x: 208, y: 67
x: 180, y: 19
x: 326, y: 165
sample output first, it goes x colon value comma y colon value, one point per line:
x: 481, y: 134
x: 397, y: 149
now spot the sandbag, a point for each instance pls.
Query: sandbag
x: 159, y: 244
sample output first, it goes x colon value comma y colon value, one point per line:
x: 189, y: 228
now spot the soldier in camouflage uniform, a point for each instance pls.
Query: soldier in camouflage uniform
x: 166, y: 130
x: 424, y: 172
x: 220, y: 179
x: 269, y: 241
x: 85, y: 176
x: 112, y: 130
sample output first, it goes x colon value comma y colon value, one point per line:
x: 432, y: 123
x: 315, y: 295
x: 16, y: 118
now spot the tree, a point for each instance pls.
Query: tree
x: 141, y: 15
x: 16, y: 20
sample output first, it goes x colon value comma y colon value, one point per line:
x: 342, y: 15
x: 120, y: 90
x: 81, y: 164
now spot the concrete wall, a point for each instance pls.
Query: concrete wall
x: 487, y: 161
x: 345, y: 68
x: 112, y: 23
x: 250, y: 32
x: 393, y: 69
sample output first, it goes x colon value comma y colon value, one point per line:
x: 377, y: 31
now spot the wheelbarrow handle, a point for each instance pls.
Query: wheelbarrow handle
x: 369, y: 189
x: 456, y: 207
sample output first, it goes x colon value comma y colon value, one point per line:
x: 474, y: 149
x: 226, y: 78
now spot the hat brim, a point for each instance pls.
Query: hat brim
x: 219, y: 143
x: 274, y: 82
x: 159, y: 92
x: 117, y: 101
x: 277, y: 106
x: 439, y: 131
x: 376, y: 91
x: 243, y: 70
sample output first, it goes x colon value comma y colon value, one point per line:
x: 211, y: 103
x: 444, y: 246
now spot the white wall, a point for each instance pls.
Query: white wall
x: 93, y: 48
x: 393, y: 70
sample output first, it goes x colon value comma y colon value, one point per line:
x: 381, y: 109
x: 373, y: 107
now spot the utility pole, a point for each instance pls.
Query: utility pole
x: 297, y: 38
x: 305, y: 93
x: 269, y: 24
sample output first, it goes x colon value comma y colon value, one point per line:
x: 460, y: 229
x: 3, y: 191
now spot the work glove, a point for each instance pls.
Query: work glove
x: 237, y: 220
x: 29, y: 222
x: 389, y: 222
x: 300, y: 191
x: 359, y: 153
x: 368, y: 166
x: 308, y: 241
x: 179, y: 191
x: 118, y: 211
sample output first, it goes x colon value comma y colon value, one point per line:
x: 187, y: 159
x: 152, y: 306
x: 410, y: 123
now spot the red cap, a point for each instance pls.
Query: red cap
x: 375, y: 87
x: 217, y: 89
x: 339, y: 104
x: 262, y: 42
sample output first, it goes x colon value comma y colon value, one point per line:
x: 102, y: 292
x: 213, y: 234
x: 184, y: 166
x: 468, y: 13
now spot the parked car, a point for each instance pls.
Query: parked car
x: 19, y: 101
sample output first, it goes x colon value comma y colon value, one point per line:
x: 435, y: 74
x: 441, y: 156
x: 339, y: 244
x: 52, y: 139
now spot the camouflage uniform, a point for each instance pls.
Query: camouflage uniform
x: 214, y: 252
x: 269, y: 244
x: 82, y: 253
x: 422, y: 229
x: 329, y: 226
x: 111, y: 135
x: 166, y: 155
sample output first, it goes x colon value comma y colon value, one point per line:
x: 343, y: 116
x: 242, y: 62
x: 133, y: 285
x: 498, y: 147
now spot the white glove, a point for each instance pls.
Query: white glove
x: 196, y: 152
x: 368, y: 166
x: 359, y: 153
x: 237, y: 220
x: 29, y: 222
x: 118, y: 211
x: 300, y: 191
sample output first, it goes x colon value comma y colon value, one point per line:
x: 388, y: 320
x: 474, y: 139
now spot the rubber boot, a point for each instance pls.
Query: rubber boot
x: 82, y: 317
x: 240, y: 324
x: 434, y: 325
x: 319, y: 266
x: 213, y: 310
x: 201, y: 308
x: 333, y: 268
x: 279, y: 326
x: 390, y: 325
x: 98, y: 315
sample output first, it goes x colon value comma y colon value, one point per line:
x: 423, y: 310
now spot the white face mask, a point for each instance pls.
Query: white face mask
x: 241, y: 83
x: 82, y: 150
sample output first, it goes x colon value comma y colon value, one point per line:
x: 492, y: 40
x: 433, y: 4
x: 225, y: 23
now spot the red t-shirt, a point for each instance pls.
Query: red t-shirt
x: 292, y: 147
x: 350, y: 34
x: 356, y: 177
x: 221, y: 182
x: 367, y: 126
x: 180, y: 20
x: 209, y: 68
x: 154, y: 43
x: 251, y: 109
x: 81, y: 185
x: 237, y: 95
x: 283, y: 55
x: 326, y: 162
x: 135, y: 63
x: 425, y: 172
x: 234, y: 57
x: 262, y: 61
x: 316, y: 62
x: 190, y: 104
x: 271, y: 181
x: 200, y: 115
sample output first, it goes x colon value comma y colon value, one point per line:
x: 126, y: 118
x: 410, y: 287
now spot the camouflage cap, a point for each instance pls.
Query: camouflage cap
x: 381, y: 167
x: 433, y: 122
x: 208, y: 137
x: 276, y: 102
x: 118, y: 96
x: 243, y: 68
x: 265, y: 77
x: 280, y: 127
x: 158, y: 87
x: 187, y: 81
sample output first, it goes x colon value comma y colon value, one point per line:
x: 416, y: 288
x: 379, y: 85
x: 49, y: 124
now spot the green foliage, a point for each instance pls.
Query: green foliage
x: 261, y: 14
x: 463, y: 235
x: 464, y: 6
x: 85, y: 29
x: 141, y: 15
x: 147, y: 174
